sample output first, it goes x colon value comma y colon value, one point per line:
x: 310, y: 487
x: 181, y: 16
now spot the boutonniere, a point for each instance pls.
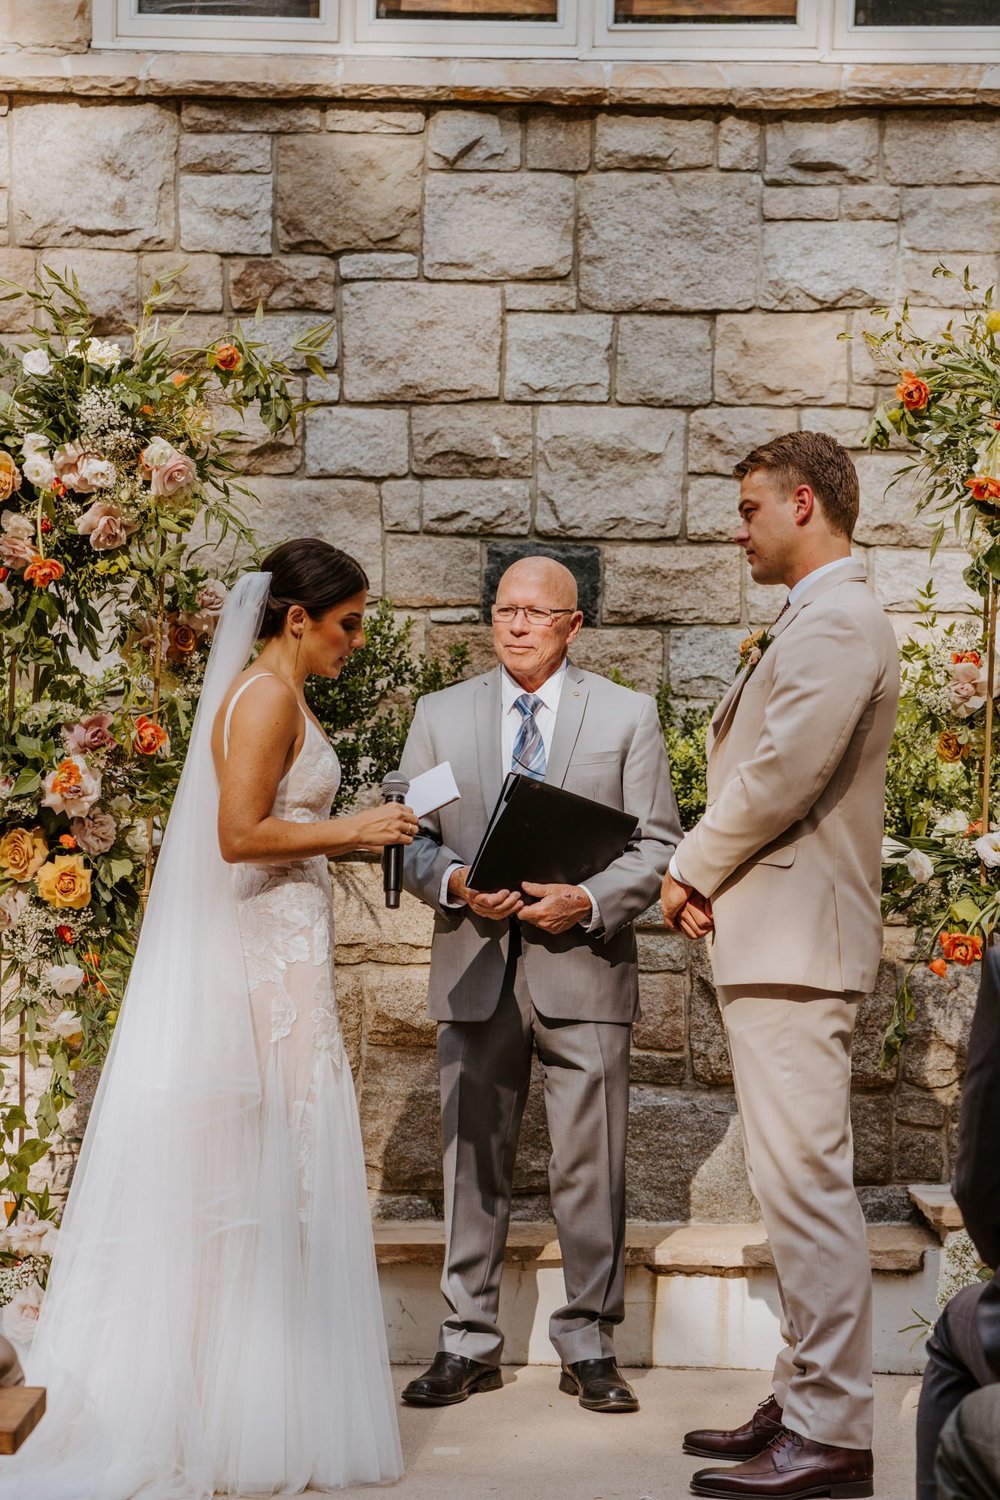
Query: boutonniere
x: 753, y: 648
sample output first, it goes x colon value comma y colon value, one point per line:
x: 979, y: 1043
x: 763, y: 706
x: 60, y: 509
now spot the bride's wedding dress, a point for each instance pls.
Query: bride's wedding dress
x: 213, y: 1322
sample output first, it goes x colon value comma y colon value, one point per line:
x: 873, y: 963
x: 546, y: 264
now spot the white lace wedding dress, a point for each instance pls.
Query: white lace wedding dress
x: 212, y: 1322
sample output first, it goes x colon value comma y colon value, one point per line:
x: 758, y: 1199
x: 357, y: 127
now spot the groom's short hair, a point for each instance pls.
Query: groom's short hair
x: 815, y: 459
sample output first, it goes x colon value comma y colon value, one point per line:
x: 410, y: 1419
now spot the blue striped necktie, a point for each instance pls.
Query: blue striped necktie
x: 529, y: 747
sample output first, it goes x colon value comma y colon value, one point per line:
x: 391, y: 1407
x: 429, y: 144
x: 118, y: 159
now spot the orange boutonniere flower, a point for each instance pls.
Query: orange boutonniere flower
x: 983, y: 487
x: 913, y: 392
x: 150, y: 738
x: 961, y: 947
x: 227, y: 357
x: 43, y: 571
x: 752, y: 649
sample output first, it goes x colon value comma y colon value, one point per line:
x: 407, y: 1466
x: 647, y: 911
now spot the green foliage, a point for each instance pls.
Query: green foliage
x: 685, y: 726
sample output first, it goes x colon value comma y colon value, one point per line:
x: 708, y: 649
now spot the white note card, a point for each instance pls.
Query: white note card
x: 433, y: 789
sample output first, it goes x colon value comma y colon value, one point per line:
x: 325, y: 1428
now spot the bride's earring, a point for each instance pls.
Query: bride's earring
x: 298, y: 648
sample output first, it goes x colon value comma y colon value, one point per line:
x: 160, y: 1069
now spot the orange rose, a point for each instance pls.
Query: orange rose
x: 949, y: 747
x: 43, y: 571
x: 972, y: 656
x: 22, y: 852
x: 149, y: 738
x: 961, y: 947
x: 939, y: 967
x: 179, y: 377
x: 983, y: 487
x: 913, y: 392
x: 65, y: 882
x: 67, y: 841
x: 181, y: 642
x: 974, y: 829
x: 64, y: 934
x: 10, y: 476
x: 227, y: 357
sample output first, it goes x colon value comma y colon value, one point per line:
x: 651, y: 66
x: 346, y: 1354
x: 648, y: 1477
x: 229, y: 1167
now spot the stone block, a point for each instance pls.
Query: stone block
x: 763, y: 600
x: 228, y: 213
x: 478, y: 640
x: 486, y: 441
x: 556, y: 141
x: 719, y: 438
x: 822, y: 150
x: 871, y: 1119
x: 780, y: 359
x: 850, y: 264
x: 935, y: 1053
x: 283, y: 282
x: 873, y: 1015
x: 258, y: 451
x: 226, y: 115
x: 282, y: 331
x: 801, y: 203
x: 681, y: 584
x: 636, y: 234
x: 638, y: 141
x: 423, y: 571
x: 420, y: 343
x: 916, y: 1107
x: 946, y: 219
x: 609, y: 472
x: 109, y: 284
x: 199, y: 285
x: 17, y: 316
x: 685, y: 1158
x: 920, y: 281
x: 396, y: 1007
x: 536, y: 296
x: 4, y: 150
x: 351, y: 1010
x: 477, y: 505
x: 345, y: 440
x: 343, y: 512
x: 485, y: 226
x: 887, y: 514
x: 64, y: 25
x: 349, y: 192
x: 711, y: 514
x: 658, y: 1068
x: 661, y: 951
x: 660, y: 1024
x: 376, y: 267
x: 901, y: 572
x: 375, y: 120
x: 366, y: 932
x: 664, y: 360
x: 400, y: 1119
x: 704, y: 659
x: 401, y: 505
x: 555, y: 357
x: 324, y: 390
x: 583, y: 561
x: 940, y: 147
x: 870, y: 201
x: 473, y: 140
x: 920, y: 1155
x: 239, y: 152
x: 739, y: 144
x: 636, y: 655
x: 710, y: 1060
x: 847, y: 425
x: 99, y: 176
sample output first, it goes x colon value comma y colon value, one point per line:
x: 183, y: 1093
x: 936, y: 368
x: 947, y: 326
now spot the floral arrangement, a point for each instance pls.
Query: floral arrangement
x: 119, y: 532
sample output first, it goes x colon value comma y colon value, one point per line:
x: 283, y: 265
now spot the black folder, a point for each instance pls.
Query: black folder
x: 544, y: 834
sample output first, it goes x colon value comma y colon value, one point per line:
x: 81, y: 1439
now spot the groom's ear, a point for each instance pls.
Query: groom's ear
x: 804, y: 504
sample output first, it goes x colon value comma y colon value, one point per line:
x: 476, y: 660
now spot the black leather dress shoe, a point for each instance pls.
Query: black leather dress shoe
x: 737, y: 1443
x: 450, y: 1379
x: 599, y: 1385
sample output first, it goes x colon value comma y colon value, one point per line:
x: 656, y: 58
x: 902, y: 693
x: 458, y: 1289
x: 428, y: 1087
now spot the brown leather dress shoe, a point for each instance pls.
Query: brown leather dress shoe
x: 792, y: 1468
x: 599, y: 1385
x: 738, y: 1442
x: 450, y: 1379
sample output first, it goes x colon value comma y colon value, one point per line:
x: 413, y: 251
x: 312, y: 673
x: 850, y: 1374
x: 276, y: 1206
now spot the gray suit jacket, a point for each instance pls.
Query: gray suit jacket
x: 607, y: 746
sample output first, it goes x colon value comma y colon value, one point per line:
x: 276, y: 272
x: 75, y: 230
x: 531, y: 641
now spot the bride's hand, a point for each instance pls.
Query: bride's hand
x: 392, y: 823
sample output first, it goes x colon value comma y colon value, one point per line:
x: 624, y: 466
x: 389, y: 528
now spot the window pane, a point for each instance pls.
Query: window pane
x: 468, y: 10
x: 271, y: 10
x: 927, y: 13
x: 706, y: 12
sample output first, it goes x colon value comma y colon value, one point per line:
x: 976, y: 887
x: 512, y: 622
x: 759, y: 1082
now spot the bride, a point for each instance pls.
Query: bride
x: 212, y: 1322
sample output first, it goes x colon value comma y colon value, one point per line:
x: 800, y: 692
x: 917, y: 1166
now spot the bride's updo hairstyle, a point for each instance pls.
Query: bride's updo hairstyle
x: 312, y: 574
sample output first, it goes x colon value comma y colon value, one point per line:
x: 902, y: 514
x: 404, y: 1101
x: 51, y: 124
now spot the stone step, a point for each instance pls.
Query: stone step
x: 22, y: 1407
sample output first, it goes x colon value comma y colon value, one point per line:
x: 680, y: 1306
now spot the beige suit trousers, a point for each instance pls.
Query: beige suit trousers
x: 791, y: 1055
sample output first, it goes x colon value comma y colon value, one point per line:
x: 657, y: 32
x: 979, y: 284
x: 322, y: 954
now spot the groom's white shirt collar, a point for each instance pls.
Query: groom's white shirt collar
x: 799, y: 588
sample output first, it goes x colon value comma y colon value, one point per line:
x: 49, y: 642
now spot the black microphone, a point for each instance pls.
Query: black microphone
x: 394, y: 789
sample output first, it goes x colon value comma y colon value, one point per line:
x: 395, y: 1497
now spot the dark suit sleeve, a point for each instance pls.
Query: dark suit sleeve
x: 628, y: 886
x: 977, y: 1166
x: 427, y: 858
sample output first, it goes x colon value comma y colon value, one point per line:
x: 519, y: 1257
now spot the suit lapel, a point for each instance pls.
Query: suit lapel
x: 572, y: 704
x: 488, y: 738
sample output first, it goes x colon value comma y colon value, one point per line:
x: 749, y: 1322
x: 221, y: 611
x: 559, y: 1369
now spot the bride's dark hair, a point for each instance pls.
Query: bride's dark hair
x: 311, y: 573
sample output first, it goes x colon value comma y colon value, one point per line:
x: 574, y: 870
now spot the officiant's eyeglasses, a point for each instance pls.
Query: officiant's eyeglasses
x: 506, y: 614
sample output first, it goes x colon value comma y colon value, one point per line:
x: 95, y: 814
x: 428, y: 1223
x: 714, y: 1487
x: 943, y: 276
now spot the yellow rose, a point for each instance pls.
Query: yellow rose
x: 10, y: 476
x: 65, y: 882
x: 993, y: 322
x: 22, y: 852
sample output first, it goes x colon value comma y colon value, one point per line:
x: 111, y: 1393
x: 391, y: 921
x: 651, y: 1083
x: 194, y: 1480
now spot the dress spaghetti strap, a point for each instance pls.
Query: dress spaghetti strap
x: 232, y: 704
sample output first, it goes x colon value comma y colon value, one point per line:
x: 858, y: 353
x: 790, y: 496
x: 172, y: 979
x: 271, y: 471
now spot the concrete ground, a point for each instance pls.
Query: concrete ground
x: 529, y: 1442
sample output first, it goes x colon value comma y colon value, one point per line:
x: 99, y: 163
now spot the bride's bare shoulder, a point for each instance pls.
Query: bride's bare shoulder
x: 270, y: 705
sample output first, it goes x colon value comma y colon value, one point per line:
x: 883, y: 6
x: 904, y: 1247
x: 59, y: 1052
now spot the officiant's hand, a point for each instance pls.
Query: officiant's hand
x: 555, y: 908
x: 496, y: 906
x: 695, y: 919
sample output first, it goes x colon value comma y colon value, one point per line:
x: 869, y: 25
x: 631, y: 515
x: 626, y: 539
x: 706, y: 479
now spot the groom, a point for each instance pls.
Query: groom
x: 556, y: 976
x: 786, y: 860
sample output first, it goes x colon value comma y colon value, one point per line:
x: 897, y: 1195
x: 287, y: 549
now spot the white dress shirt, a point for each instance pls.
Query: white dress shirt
x: 794, y: 593
x: 549, y: 693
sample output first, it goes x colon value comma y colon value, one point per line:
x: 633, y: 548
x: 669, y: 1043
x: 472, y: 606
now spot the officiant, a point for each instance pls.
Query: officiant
x: 544, y: 968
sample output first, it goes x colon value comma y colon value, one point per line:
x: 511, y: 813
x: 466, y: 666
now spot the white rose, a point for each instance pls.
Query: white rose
x: 64, y: 979
x: 920, y: 866
x: 28, y: 1234
x: 953, y: 822
x: 14, y: 524
x: 156, y: 453
x: 99, y: 473
x: 68, y: 1025
x: 13, y: 905
x: 103, y: 353
x: 988, y: 849
x: 76, y: 800
x: 34, y: 442
x: 6, y: 597
x: 137, y: 838
x: 39, y: 470
x: 36, y: 362
x: 20, y: 1316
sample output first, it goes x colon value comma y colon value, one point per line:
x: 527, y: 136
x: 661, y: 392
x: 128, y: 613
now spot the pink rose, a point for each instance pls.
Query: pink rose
x: 73, y: 465
x: 212, y: 596
x: 106, y: 526
x: 17, y: 553
x: 175, y: 476
x: 91, y: 733
x: 96, y: 832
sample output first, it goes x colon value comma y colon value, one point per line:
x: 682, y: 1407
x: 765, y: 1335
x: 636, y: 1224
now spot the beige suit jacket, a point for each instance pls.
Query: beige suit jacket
x: 789, y: 847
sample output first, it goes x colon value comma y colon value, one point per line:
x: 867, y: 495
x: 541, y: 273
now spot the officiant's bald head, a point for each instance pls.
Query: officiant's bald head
x: 535, y: 618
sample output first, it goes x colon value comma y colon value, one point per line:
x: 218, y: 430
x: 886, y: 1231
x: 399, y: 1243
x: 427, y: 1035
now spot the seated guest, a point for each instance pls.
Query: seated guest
x: 968, y: 1455
x: 964, y: 1349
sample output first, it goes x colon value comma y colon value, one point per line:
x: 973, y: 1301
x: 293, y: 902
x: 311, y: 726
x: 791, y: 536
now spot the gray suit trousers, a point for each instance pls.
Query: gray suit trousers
x: 485, y: 1071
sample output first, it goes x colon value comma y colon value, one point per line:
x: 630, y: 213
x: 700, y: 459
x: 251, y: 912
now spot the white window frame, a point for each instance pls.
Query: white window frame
x: 791, y: 41
x: 851, y: 43
x: 566, y: 36
x: 117, y: 24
